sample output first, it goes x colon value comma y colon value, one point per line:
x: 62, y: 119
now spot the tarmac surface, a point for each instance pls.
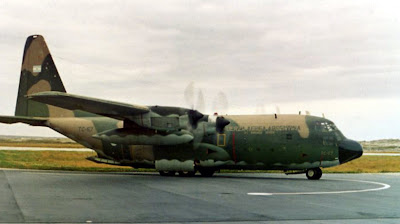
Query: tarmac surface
x: 71, y: 197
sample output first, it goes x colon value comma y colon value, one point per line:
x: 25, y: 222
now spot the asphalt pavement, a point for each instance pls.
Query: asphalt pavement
x: 71, y: 197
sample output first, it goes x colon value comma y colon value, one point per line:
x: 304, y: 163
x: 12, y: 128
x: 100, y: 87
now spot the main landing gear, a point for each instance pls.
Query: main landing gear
x: 167, y: 173
x: 314, y: 173
x: 205, y: 172
x: 186, y: 173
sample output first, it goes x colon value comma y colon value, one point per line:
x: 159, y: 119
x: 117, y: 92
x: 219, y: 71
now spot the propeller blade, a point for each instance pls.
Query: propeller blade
x: 189, y: 95
x: 200, y: 105
x: 278, y: 110
x: 220, y: 103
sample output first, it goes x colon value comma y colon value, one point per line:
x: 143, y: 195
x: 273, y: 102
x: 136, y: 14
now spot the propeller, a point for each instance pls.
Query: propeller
x: 278, y: 110
x: 200, y: 101
x: 220, y: 104
x: 194, y: 117
x: 220, y: 124
x: 189, y: 95
x: 193, y: 114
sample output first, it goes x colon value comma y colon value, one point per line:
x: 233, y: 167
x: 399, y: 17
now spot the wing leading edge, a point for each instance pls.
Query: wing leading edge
x: 101, y: 107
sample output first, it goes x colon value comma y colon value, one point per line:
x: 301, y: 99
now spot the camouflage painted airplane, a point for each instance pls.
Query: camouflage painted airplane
x: 174, y: 139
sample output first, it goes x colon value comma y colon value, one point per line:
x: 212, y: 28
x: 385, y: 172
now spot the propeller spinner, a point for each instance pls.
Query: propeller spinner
x: 194, y: 117
x: 220, y: 124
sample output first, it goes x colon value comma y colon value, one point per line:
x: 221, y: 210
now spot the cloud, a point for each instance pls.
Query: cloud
x: 257, y: 52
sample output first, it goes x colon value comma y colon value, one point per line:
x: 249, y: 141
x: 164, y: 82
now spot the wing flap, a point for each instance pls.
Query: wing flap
x: 93, y: 105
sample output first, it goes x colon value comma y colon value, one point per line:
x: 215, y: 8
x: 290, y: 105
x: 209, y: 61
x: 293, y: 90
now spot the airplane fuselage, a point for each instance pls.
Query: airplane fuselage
x: 282, y: 142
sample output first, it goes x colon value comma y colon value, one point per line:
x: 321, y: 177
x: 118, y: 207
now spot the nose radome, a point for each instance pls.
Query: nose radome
x: 349, y: 150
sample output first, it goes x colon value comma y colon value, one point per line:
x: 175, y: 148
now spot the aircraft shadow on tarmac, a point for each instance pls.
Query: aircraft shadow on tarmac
x: 156, y: 175
x: 225, y: 176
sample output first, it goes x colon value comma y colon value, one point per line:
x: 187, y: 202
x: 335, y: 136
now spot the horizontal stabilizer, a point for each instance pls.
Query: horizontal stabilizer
x: 21, y: 119
x: 92, y: 105
x: 101, y: 160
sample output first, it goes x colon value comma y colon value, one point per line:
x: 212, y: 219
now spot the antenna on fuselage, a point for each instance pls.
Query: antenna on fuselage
x: 276, y: 116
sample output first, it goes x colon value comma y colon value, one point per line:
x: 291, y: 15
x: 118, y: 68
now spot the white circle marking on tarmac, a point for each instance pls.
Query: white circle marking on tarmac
x: 383, y: 187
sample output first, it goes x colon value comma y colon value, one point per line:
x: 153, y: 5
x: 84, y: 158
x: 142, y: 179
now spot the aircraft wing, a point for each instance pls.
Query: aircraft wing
x: 97, y: 106
x: 34, y: 121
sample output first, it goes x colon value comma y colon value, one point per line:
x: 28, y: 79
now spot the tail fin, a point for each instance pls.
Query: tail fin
x: 38, y: 74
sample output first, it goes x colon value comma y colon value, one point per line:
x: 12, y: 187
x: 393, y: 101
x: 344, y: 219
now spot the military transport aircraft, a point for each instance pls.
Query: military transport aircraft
x: 174, y: 139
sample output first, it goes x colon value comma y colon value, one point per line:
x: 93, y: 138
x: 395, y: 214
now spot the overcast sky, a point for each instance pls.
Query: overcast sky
x: 340, y: 58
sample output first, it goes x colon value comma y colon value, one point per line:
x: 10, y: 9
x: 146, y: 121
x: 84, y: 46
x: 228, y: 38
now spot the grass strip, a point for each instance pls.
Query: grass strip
x: 42, y: 144
x: 76, y: 161
x: 368, y: 164
x: 55, y: 160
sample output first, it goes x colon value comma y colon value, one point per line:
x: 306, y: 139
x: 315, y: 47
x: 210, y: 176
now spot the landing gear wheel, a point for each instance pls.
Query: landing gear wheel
x: 206, y: 172
x: 186, y: 173
x: 314, y: 173
x: 167, y: 173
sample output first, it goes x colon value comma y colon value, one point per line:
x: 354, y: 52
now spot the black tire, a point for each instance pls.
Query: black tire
x: 207, y: 172
x: 167, y: 173
x: 186, y: 173
x: 163, y: 173
x: 314, y: 173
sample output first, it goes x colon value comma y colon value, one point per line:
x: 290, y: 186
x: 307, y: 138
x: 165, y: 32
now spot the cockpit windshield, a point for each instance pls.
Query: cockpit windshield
x: 325, y: 126
x: 329, y: 128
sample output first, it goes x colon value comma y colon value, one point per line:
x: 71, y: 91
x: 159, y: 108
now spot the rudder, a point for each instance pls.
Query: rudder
x: 38, y: 74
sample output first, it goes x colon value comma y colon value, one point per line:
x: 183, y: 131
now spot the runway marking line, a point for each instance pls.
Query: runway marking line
x: 384, y: 187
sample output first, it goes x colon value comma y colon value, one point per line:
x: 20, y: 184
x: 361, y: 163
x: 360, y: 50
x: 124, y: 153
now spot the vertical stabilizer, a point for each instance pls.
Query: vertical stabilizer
x: 38, y: 74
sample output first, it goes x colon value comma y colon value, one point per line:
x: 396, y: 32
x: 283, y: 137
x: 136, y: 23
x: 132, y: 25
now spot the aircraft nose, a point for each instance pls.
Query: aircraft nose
x: 349, y: 150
